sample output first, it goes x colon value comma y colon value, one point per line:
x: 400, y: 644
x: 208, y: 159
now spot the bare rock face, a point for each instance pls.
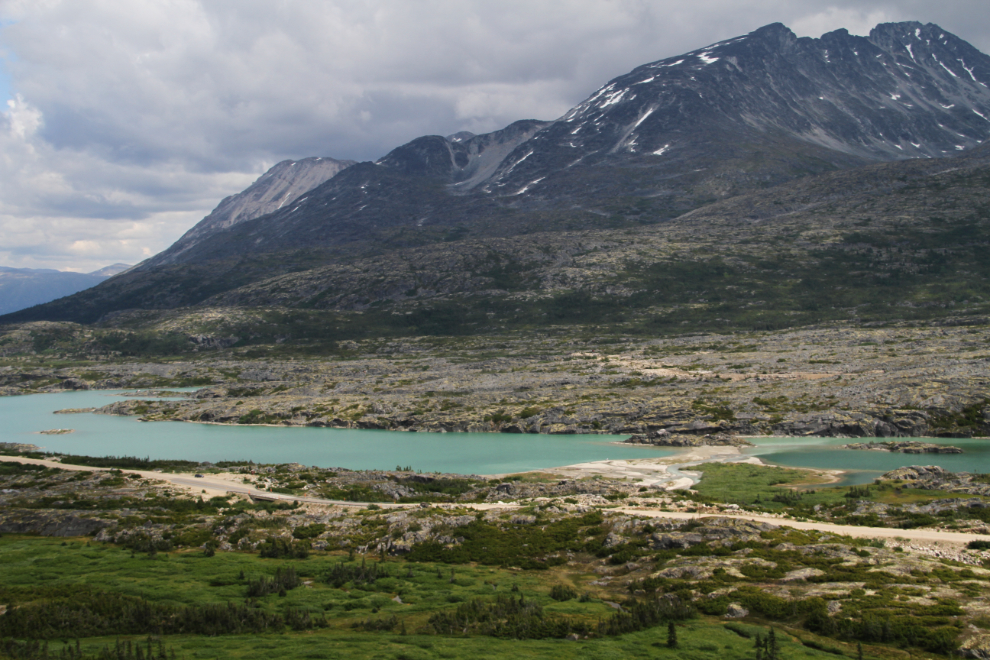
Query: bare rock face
x: 74, y: 384
x: 279, y: 186
x: 903, y: 423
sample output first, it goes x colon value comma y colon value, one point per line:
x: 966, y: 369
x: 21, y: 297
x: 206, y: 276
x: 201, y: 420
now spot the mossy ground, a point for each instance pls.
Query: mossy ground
x: 48, y: 567
x: 806, y: 493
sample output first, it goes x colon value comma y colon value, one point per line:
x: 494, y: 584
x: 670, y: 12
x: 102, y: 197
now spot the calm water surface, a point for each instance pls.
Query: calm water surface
x: 21, y: 417
x: 865, y: 466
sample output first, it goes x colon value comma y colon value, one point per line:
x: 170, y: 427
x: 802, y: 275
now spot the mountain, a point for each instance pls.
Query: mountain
x: 667, y: 139
x: 661, y: 140
x: 21, y: 288
x: 111, y: 270
x: 279, y: 186
x: 907, y: 239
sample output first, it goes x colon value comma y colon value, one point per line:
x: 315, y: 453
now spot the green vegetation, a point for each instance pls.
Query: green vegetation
x: 801, y: 493
x: 145, y: 464
x: 517, y: 576
x: 524, y: 545
x: 195, y: 605
x: 758, y: 485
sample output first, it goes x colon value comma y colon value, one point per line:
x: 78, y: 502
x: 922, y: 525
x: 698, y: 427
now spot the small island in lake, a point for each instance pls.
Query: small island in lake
x: 906, y: 447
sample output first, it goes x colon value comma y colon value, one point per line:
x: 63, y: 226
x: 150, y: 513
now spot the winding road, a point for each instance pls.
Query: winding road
x: 214, y: 485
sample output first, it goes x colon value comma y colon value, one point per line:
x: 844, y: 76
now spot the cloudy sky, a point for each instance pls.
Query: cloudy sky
x: 124, y: 122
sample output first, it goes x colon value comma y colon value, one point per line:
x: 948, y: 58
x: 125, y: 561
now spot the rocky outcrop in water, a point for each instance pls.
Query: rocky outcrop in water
x: 664, y: 438
x: 908, y: 447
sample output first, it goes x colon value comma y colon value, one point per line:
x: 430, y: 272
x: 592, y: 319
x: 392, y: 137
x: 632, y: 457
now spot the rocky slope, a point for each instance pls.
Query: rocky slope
x: 767, y: 102
x: 914, y: 232
x: 281, y: 185
x: 833, y: 380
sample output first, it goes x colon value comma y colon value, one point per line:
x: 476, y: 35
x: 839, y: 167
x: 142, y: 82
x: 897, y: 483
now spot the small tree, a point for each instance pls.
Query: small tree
x: 772, y: 645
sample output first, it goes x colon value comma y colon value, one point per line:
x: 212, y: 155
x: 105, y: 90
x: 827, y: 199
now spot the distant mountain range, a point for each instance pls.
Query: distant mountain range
x: 662, y: 142
x: 21, y: 288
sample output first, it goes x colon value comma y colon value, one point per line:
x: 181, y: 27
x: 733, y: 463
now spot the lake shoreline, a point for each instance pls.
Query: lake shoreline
x: 577, y: 455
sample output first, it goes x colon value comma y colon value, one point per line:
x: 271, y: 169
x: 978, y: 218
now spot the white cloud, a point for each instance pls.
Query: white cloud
x: 73, y: 209
x: 23, y: 120
x: 147, y: 112
x: 856, y: 20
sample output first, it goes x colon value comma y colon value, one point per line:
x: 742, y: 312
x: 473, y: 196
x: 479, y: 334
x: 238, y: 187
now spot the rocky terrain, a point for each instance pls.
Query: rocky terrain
x: 932, y: 477
x: 718, y: 567
x: 827, y: 381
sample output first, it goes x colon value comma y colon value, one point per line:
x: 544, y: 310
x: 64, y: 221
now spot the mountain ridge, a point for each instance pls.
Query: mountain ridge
x: 663, y: 140
x: 22, y: 288
x: 696, y: 112
x: 280, y: 185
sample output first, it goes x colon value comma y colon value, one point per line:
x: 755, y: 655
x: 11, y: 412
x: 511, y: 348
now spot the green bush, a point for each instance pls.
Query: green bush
x: 278, y: 548
x: 562, y: 592
x: 309, y: 531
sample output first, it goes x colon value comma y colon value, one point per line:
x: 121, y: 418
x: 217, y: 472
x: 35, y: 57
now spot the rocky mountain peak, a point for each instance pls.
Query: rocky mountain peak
x: 273, y: 190
x: 907, y: 91
x: 775, y: 35
x: 755, y: 110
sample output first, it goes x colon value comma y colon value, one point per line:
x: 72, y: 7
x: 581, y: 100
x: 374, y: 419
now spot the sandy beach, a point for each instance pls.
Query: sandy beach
x: 667, y: 472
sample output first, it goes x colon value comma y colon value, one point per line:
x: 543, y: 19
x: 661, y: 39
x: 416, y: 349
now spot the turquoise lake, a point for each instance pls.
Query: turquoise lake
x: 865, y: 466
x: 21, y: 417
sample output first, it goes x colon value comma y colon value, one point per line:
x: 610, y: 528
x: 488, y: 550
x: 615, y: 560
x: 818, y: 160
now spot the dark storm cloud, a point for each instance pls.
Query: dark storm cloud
x: 135, y: 118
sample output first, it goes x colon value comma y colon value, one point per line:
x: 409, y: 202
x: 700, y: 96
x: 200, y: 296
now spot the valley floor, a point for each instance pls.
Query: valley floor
x: 527, y: 565
x: 831, y: 380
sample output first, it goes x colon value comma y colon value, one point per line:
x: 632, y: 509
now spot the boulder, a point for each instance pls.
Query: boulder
x: 917, y: 473
x: 977, y: 646
x: 613, y: 540
x: 802, y: 574
x: 736, y: 611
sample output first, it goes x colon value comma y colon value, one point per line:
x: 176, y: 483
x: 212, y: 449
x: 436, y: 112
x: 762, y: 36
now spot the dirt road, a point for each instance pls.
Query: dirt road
x: 213, y: 485
x: 922, y: 535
